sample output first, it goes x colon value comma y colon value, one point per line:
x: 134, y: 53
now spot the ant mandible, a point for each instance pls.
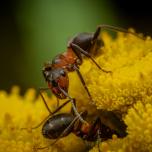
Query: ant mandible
x: 61, y: 125
x: 56, y: 72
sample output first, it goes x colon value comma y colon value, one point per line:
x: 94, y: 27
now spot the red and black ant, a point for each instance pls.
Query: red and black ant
x: 104, y: 126
x: 56, y: 72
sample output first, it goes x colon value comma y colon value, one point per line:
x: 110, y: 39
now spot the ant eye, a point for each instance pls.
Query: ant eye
x: 45, y: 74
x: 62, y: 72
x: 54, y: 84
x: 48, y: 69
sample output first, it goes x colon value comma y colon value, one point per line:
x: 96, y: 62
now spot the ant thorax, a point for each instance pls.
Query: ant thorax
x: 67, y: 60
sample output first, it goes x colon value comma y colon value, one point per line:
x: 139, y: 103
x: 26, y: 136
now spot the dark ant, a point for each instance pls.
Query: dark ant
x: 56, y: 72
x: 104, y: 126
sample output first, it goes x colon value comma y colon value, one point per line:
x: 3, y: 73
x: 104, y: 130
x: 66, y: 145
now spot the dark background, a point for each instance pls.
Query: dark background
x: 33, y: 31
x: 137, y: 14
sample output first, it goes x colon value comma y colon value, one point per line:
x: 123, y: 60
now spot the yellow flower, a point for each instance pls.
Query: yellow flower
x: 126, y: 90
x: 130, y: 60
x: 25, y: 112
x: 139, y: 139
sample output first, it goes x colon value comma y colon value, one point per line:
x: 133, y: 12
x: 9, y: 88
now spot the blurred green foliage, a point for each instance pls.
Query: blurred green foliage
x: 45, y: 27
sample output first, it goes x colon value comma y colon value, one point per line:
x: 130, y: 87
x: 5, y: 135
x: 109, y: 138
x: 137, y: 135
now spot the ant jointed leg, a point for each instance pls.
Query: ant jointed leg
x: 50, y: 112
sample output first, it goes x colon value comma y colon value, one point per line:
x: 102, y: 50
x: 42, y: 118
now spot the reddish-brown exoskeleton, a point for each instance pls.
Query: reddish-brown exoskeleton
x: 56, y: 72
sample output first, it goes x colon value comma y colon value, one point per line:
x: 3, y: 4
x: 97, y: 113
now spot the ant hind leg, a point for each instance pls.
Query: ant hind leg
x: 76, y: 48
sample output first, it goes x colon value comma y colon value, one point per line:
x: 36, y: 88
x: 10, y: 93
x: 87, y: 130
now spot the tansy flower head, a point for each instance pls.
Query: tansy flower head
x: 127, y: 90
x: 130, y: 60
x: 27, y: 111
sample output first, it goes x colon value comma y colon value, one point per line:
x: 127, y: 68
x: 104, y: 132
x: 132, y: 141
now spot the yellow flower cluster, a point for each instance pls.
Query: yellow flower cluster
x: 139, y: 139
x: 17, y: 112
x: 129, y: 58
x: 126, y: 90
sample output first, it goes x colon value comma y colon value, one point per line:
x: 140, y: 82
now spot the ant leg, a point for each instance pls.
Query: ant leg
x: 40, y: 92
x: 76, y: 48
x: 83, y: 82
x: 57, y: 105
x: 73, y: 105
x: 84, y: 114
x: 74, y: 102
x: 96, y: 125
x: 60, y: 107
x: 113, y: 28
x: 98, y: 139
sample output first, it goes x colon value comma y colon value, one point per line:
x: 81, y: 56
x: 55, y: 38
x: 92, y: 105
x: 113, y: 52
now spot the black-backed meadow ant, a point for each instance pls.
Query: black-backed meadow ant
x: 56, y: 72
x: 106, y: 123
x: 103, y: 127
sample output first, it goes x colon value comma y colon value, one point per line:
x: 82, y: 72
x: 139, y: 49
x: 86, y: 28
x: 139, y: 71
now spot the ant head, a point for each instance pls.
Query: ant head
x: 47, y: 67
x: 56, y: 78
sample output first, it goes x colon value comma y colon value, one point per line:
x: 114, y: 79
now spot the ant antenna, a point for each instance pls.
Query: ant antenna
x: 44, y: 101
x: 73, y: 105
x: 113, y: 28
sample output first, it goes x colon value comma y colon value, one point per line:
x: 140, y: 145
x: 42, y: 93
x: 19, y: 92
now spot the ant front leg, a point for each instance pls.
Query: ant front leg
x: 76, y: 49
x: 50, y: 115
x: 98, y: 139
x: 54, y: 112
x: 44, y: 101
x: 72, y: 100
x: 83, y: 82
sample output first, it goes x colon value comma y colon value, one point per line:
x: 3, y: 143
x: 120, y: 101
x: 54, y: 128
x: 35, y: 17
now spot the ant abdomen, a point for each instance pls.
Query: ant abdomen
x: 83, y: 40
x: 56, y: 125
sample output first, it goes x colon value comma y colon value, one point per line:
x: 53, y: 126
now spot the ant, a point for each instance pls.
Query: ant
x: 103, y: 127
x: 56, y: 72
